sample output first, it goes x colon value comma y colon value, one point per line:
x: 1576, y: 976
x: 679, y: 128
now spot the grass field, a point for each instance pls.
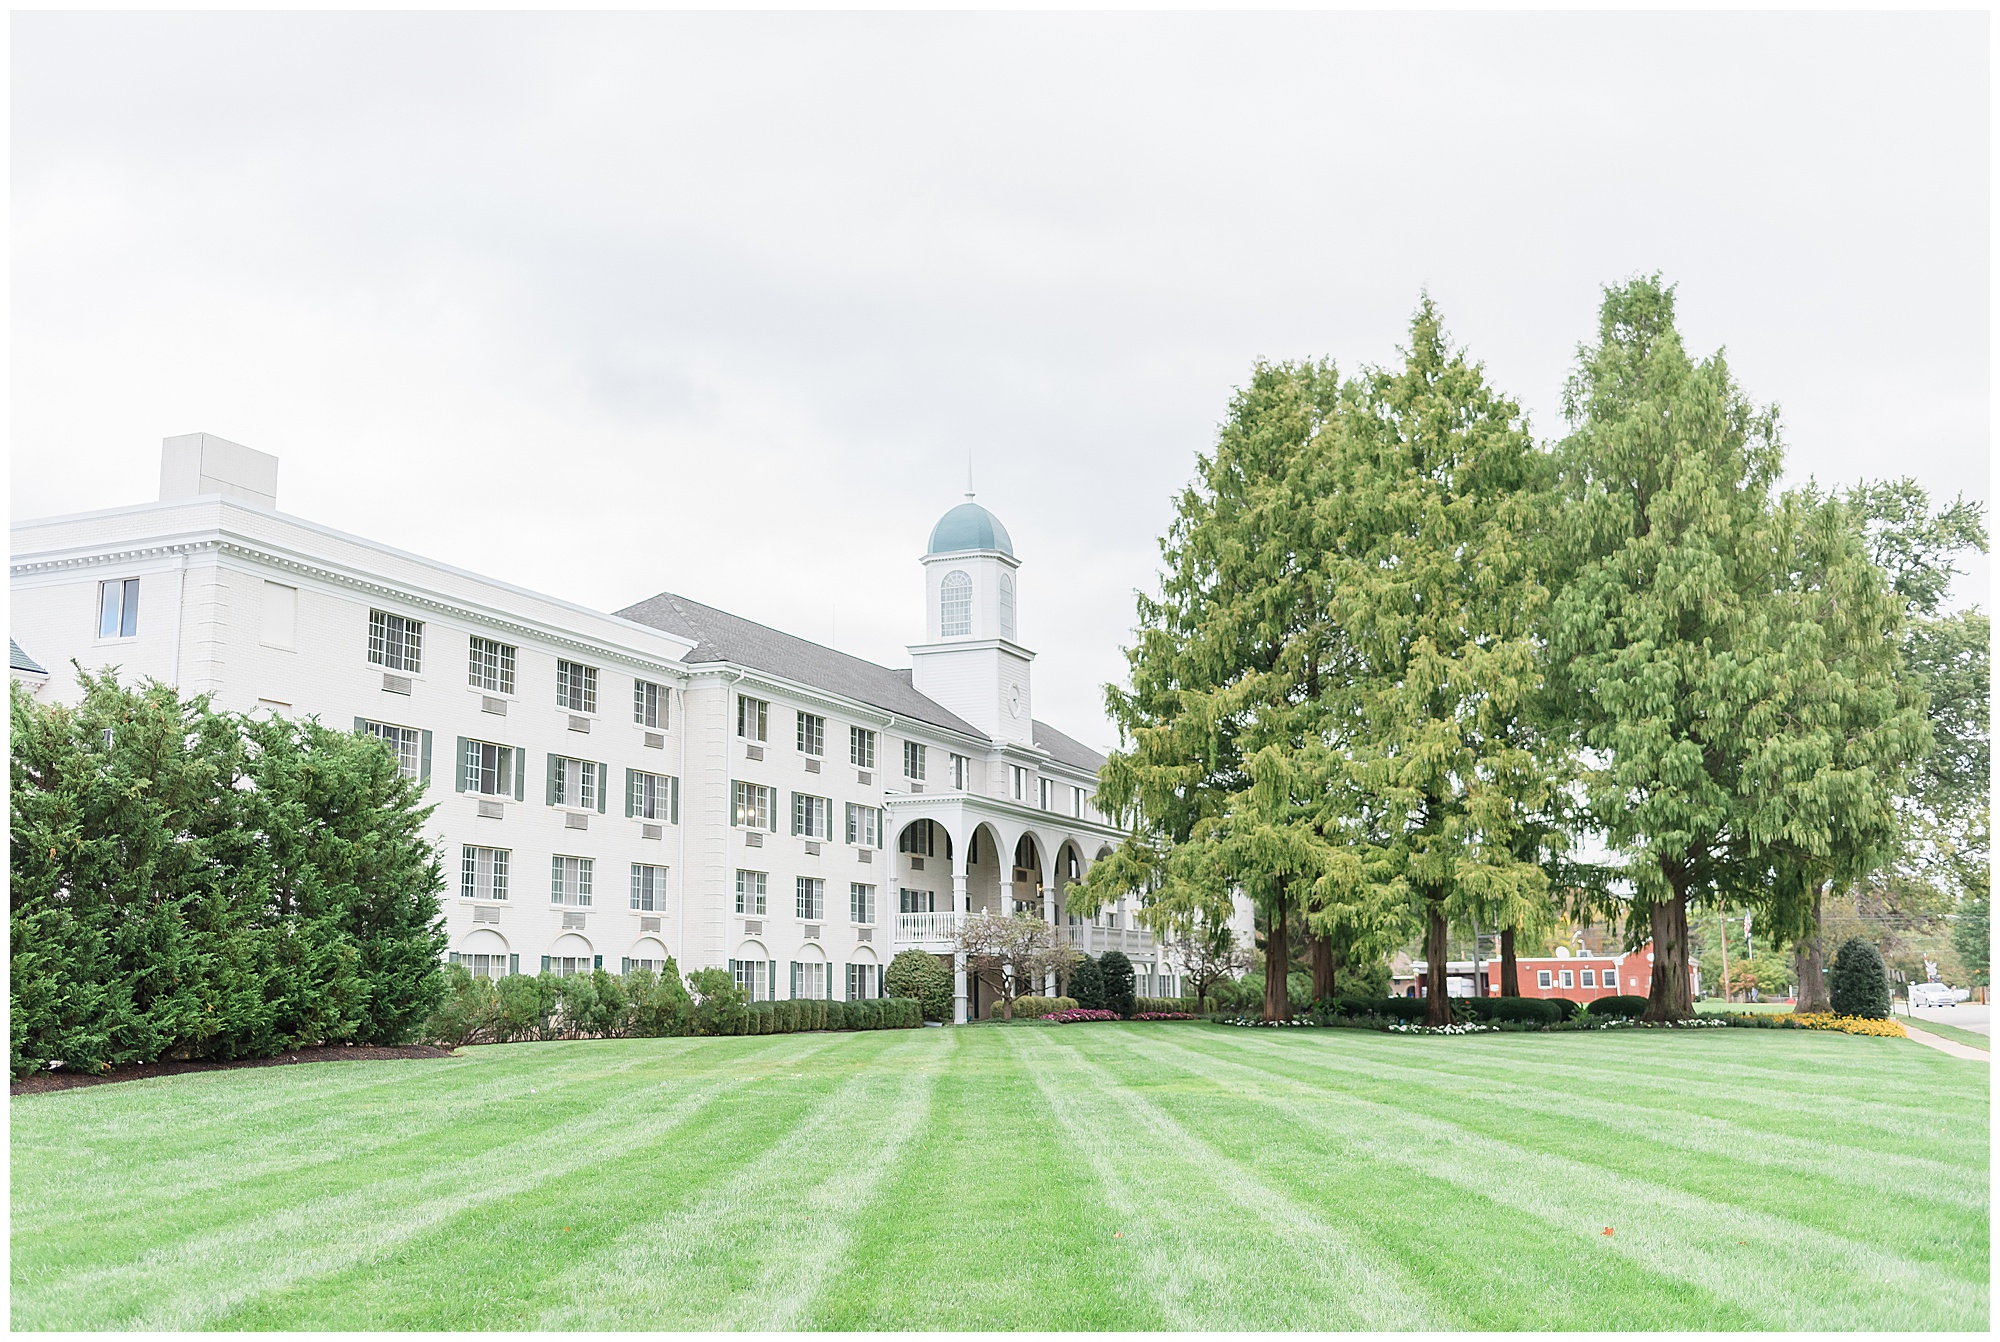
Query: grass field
x: 1083, y: 1177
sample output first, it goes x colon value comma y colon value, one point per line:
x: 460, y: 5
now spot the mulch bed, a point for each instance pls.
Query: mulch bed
x: 61, y: 1080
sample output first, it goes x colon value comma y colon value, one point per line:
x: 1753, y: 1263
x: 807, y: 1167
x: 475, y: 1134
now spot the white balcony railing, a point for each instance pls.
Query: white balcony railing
x: 1093, y: 940
x: 927, y: 926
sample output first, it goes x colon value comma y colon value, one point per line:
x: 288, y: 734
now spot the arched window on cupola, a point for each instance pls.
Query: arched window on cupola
x: 955, y: 605
x: 1006, y: 605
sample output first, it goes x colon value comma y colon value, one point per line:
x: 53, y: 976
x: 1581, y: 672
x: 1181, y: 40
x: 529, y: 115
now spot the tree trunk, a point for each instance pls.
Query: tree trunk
x: 1437, y: 994
x: 1510, y: 971
x: 1322, y: 966
x: 1810, y: 961
x: 1277, y: 963
x: 1669, y: 998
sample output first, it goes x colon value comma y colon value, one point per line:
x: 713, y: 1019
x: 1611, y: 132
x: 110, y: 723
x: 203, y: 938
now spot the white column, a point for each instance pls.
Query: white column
x: 1049, y: 914
x: 961, y: 905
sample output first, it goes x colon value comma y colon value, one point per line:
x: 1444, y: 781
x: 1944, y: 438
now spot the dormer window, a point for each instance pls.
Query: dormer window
x: 955, y: 604
x: 1007, y: 605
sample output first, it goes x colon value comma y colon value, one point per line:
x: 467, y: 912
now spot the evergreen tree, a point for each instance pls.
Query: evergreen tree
x: 1660, y: 631
x: 1858, y: 982
x: 1115, y: 971
x: 1086, y: 984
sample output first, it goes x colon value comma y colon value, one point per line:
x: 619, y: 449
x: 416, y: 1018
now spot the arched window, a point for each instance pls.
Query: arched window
x: 955, y: 604
x: 1006, y: 605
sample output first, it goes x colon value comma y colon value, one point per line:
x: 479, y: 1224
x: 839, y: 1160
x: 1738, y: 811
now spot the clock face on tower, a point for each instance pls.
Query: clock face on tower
x: 1014, y: 700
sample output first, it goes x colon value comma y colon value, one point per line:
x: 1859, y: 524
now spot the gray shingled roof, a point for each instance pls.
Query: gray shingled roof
x: 1066, y: 749
x: 722, y: 637
x: 18, y: 660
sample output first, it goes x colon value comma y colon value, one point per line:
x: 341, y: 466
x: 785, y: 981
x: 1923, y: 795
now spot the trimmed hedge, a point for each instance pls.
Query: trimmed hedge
x: 1032, y: 1008
x: 1186, y: 1004
x: 1619, y: 1008
x: 1522, y: 1010
x: 1395, y: 1008
x: 1564, y: 1005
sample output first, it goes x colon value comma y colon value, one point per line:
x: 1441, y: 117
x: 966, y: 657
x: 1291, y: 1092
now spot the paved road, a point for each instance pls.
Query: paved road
x: 1966, y: 1016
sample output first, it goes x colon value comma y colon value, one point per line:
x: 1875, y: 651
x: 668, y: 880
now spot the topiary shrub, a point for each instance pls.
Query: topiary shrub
x: 1119, y: 982
x: 924, y: 977
x: 1033, y: 1008
x: 1086, y: 984
x: 1526, y: 1010
x: 1186, y: 1004
x: 1857, y: 981
x: 909, y: 1013
x: 1618, y: 1008
x: 836, y: 1016
x: 1563, y: 1005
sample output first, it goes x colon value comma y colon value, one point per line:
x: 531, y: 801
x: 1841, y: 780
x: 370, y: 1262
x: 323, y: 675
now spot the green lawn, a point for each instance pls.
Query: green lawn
x: 1952, y: 1032
x: 1178, y: 1176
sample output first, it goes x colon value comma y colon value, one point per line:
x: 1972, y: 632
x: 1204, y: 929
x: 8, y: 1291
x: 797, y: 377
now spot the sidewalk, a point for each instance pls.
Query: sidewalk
x: 1956, y: 1050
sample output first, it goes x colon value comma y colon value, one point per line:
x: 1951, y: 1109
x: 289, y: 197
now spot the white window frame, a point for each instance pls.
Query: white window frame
x: 1017, y: 782
x: 1589, y: 978
x: 753, y: 717
x: 583, y: 796
x: 649, y: 887
x: 914, y: 760
x: 915, y: 901
x: 812, y: 817
x: 652, y: 796
x: 1046, y: 793
x: 1544, y: 979
x: 489, y: 665
x: 864, y: 825
x: 652, y: 704
x: 570, y: 880
x: 1006, y: 605
x: 1568, y: 979
x: 809, y: 899
x: 961, y: 772
x: 753, y: 806
x: 395, y: 642
x: 861, y: 747
x: 1076, y: 802
x: 576, y: 686
x: 955, y: 604
x: 117, y: 605
x: 482, y: 872
x: 753, y: 892
x: 811, y: 735
x: 809, y: 980
x: 407, y: 742
x: 476, y: 771
x: 860, y: 904
x: 478, y: 964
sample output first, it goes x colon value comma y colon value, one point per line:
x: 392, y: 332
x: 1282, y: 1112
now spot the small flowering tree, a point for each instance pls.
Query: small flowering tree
x: 1019, y: 951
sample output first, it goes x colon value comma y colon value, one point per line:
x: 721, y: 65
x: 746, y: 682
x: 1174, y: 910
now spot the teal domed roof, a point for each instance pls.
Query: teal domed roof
x: 969, y: 527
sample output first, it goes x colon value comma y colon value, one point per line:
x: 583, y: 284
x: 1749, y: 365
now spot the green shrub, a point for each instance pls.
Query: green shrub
x: 1029, y: 1008
x: 836, y: 1016
x: 1086, y: 984
x: 718, y: 1003
x: 924, y: 977
x: 1395, y: 1008
x: 1119, y: 980
x: 1564, y: 1005
x: 866, y: 1014
x: 1618, y: 1008
x: 1187, y: 1004
x: 902, y: 1013
x: 1857, y: 982
x: 527, y: 1005
x: 659, y: 1004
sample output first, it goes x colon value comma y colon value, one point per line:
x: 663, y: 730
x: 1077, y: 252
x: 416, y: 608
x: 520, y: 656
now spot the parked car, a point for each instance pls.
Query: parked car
x: 1936, y: 995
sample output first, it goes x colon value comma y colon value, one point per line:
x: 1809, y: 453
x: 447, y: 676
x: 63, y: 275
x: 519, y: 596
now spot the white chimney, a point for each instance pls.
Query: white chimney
x: 200, y: 463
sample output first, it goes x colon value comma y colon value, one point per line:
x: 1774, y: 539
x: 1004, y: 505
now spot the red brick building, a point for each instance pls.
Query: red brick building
x: 1581, y: 977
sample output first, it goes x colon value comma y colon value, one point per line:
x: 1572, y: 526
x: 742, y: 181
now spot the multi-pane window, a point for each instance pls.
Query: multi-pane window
x: 1048, y: 794
x: 490, y: 666
x: 1589, y: 978
x: 1006, y: 605
x: 569, y: 966
x: 484, y: 966
x: 1543, y: 979
x: 1018, y: 781
x: 654, y: 967
x: 751, y: 805
x: 955, y: 605
x: 812, y: 816
x: 569, y: 880
x: 649, y: 888
x: 118, y: 608
x: 649, y: 704
x: 916, y: 901
x: 811, y: 903
x: 395, y: 641
x: 1076, y: 802
x: 961, y: 771
x: 653, y: 797
x: 812, y: 734
x: 753, y: 717
x: 483, y: 873
x: 809, y: 980
x: 573, y: 782
x: 576, y: 687
x: 860, y: 903
x: 864, y: 825
x: 754, y: 978
x: 407, y: 742
x: 913, y: 761
x: 863, y: 981
x: 861, y: 747
x: 489, y: 768
x: 917, y: 839
x: 1569, y: 980
x: 751, y: 889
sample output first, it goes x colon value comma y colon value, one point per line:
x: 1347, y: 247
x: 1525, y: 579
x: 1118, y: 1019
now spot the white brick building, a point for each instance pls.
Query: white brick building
x: 612, y: 789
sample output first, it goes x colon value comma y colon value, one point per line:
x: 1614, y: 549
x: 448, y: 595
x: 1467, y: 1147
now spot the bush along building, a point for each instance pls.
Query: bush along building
x: 614, y: 789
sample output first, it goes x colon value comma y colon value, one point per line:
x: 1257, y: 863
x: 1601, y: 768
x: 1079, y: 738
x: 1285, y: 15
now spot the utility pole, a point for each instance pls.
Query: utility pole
x: 1722, y: 926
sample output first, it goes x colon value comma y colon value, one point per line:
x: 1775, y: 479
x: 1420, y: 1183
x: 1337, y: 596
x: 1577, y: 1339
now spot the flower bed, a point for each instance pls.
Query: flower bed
x: 1826, y: 1020
x: 1163, y: 1015
x: 1467, y: 1027
x: 1080, y: 1014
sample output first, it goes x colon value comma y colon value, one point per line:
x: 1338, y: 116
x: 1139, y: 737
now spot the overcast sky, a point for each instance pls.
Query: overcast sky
x: 610, y: 305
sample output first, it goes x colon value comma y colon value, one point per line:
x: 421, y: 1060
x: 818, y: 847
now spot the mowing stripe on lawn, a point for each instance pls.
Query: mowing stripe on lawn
x: 1674, y: 1231
x: 1355, y: 1290
x: 193, y: 1281
x: 820, y: 1175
